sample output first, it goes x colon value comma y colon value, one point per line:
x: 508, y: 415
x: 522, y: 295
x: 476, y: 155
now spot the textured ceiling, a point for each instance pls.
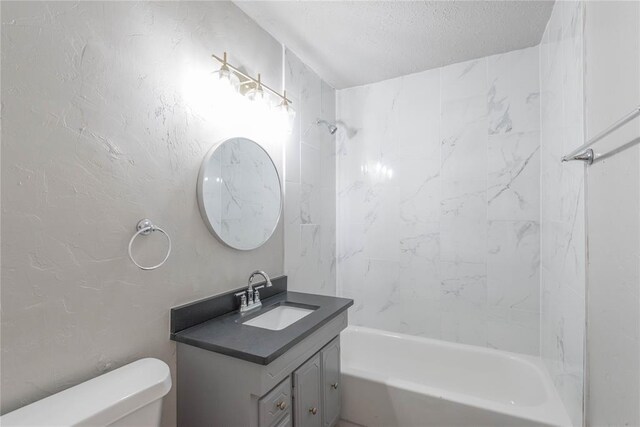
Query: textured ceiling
x: 350, y: 43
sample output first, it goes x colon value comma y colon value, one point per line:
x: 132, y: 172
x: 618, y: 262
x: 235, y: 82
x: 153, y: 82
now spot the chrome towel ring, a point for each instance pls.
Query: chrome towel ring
x: 146, y: 227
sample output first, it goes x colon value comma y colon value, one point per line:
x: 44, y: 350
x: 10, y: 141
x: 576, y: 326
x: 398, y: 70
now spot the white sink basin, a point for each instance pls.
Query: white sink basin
x: 279, y: 318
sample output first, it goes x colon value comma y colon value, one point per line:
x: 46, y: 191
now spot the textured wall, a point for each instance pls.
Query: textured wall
x: 562, y: 218
x: 446, y: 245
x: 612, y: 89
x: 106, y: 118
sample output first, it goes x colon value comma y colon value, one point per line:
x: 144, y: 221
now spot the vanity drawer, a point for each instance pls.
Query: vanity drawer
x: 276, y: 406
x: 285, y: 422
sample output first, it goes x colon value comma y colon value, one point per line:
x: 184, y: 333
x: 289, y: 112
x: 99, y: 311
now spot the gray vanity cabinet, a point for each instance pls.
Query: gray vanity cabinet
x: 307, y: 393
x: 331, y: 401
x: 299, y: 388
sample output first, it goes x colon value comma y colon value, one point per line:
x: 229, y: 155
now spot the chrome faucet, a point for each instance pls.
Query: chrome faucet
x: 250, y: 299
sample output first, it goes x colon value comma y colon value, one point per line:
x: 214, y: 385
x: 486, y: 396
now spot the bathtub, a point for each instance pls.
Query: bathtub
x: 392, y: 379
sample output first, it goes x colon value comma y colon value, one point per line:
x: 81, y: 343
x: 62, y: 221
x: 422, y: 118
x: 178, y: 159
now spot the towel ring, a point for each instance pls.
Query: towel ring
x: 146, y: 227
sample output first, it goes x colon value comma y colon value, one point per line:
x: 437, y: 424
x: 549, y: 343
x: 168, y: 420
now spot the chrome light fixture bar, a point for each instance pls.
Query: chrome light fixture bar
x: 259, y: 85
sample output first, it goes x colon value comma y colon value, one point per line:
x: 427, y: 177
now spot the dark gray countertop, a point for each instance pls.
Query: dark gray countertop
x: 227, y: 335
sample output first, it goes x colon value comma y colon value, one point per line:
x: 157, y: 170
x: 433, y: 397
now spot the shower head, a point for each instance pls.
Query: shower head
x: 330, y: 126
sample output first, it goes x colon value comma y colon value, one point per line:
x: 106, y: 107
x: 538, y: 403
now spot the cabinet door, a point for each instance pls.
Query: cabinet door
x: 331, y: 401
x: 307, y: 394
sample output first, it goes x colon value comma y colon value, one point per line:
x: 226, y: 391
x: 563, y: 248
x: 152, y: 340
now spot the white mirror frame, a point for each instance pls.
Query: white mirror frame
x: 200, y: 193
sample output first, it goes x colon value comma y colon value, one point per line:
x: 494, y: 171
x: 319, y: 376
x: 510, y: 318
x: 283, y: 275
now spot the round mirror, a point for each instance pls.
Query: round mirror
x: 239, y: 193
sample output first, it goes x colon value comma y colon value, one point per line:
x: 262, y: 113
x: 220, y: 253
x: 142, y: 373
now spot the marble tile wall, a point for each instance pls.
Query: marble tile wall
x: 438, y: 202
x: 310, y: 180
x: 563, y: 205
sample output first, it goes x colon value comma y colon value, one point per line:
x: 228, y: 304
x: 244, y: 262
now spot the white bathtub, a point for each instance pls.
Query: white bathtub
x: 391, y: 379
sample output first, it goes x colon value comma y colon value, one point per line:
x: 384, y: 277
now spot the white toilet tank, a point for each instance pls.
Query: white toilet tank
x: 130, y: 396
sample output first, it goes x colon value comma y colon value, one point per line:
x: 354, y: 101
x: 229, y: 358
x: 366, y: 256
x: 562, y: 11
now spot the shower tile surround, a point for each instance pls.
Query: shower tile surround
x: 447, y: 244
x: 310, y: 181
x: 563, y: 245
x: 479, y: 236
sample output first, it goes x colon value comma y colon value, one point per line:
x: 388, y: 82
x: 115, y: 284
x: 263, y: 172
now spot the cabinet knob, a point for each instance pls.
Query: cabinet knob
x: 313, y: 411
x: 281, y: 405
x: 334, y: 386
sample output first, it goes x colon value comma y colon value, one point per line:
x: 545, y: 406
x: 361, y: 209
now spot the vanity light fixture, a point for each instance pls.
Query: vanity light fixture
x: 258, y: 89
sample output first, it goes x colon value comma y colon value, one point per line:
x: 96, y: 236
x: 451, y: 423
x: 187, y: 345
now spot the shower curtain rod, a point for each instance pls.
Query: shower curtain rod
x: 584, y: 153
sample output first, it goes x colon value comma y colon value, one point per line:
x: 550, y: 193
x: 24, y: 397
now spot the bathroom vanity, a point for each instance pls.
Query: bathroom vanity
x: 258, y: 356
x: 278, y: 365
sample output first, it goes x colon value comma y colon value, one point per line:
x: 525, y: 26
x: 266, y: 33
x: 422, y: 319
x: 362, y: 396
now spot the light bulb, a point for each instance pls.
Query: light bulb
x: 226, y: 80
x: 256, y: 94
x: 286, y: 114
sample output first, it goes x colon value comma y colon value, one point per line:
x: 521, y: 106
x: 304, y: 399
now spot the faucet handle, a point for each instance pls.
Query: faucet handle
x: 243, y: 299
x: 256, y: 293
